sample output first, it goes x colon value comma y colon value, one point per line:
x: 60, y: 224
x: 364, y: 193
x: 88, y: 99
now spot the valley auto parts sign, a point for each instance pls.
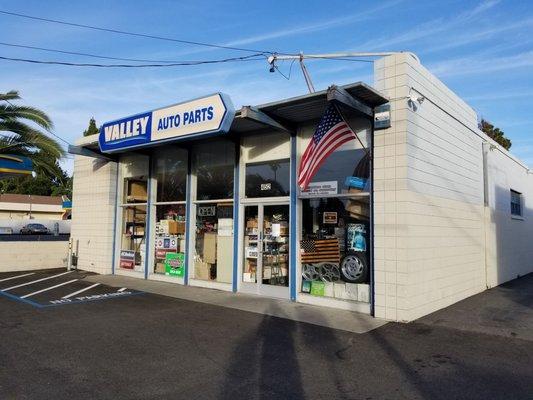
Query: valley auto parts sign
x: 205, y: 116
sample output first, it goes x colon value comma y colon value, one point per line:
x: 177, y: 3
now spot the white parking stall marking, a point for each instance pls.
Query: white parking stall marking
x: 80, y: 291
x: 15, y: 277
x: 121, y: 289
x: 47, y: 289
x: 35, y: 281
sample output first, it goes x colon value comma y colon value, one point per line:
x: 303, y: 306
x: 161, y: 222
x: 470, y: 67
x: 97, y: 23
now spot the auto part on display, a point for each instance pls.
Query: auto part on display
x: 325, y: 272
x: 354, y: 268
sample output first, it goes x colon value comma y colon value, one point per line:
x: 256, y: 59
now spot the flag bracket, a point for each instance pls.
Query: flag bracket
x: 340, y: 95
x: 259, y: 116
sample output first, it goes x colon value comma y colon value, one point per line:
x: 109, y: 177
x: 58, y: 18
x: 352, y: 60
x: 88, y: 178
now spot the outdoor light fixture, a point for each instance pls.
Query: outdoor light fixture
x: 417, y: 98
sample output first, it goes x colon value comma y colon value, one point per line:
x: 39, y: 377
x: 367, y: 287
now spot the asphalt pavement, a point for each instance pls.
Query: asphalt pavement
x: 148, y: 346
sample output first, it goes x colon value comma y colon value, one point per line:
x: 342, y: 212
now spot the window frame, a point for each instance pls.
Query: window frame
x: 514, y: 194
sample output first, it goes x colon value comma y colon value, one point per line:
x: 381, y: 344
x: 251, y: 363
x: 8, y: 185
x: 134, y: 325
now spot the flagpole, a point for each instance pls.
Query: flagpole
x: 354, y: 132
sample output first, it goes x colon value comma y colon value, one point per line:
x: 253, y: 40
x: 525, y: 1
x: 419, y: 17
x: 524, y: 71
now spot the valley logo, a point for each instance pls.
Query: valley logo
x: 207, y: 115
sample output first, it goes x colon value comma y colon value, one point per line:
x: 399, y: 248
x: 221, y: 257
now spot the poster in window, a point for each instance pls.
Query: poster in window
x: 329, y: 217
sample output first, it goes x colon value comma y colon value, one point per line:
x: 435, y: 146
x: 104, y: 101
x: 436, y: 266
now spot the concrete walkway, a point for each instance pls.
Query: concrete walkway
x: 322, y: 316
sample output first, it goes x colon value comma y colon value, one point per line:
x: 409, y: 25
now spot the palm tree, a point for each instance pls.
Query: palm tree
x: 19, y: 138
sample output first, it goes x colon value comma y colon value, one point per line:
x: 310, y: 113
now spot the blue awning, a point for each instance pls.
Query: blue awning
x: 13, y: 165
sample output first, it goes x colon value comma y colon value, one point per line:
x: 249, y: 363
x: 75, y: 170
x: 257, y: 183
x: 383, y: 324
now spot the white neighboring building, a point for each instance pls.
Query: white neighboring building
x: 442, y: 226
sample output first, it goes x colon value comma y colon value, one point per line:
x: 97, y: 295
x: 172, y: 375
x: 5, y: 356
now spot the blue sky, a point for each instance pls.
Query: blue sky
x: 483, y: 50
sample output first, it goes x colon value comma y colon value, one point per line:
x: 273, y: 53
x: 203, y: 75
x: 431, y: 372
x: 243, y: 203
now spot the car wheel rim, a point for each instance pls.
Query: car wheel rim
x: 352, y: 267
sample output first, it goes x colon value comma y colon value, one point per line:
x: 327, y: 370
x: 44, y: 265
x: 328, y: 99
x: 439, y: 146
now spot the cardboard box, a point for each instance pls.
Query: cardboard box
x: 251, y: 223
x: 210, y: 247
x: 137, y: 191
x: 201, y: 270
x: 171, y: 227
x: 160, y: 268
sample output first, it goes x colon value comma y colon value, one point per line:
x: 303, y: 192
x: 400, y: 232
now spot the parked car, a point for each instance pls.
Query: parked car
x: 34, y: 229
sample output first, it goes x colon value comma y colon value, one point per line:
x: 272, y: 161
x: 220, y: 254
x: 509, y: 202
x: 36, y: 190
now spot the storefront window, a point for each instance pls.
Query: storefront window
x: 214, y: 169
x: 134, y: 170
x: 169, y: 255
x: 268, y: 178
x: 213, y: 259
x: 346, y: 170
x: 335, y: 247
x: 170, y: 172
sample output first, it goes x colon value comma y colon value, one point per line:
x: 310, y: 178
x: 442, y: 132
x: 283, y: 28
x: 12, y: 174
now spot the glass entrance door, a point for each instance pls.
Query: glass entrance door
x: 266, y: 250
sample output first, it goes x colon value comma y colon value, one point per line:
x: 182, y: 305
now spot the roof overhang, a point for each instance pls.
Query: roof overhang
x: 357, y: 99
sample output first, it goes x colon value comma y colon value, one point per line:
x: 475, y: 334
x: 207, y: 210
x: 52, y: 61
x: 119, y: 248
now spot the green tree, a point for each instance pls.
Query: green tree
x: 92, y: 129
x: 495, y: 134
x: 19, y: 137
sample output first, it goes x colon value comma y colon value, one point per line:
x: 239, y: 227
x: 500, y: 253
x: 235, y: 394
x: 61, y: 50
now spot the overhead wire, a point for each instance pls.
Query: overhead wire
x: 109, y: 57
x: 144, y: 35
x: 73, y: 64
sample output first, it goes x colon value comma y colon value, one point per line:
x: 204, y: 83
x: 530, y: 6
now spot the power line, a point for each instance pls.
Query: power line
x: 99, y: 56
x: 168, y: 39
x: 253, y: 57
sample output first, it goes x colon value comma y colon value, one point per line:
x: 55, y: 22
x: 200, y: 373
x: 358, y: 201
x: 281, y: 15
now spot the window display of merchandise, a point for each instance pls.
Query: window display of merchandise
x: 132, y: 250
x: 213, y: 258
x: 169, y: 240
x: 133, y: 241
x: 267, y: 246
x: 334, y: 248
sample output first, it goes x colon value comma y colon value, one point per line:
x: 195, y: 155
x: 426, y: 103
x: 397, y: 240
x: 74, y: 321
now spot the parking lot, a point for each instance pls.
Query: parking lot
x: 56, y: 287
x: 147, y: 346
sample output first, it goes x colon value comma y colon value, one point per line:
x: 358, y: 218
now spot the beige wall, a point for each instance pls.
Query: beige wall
x: 429, y: 233
x: 22, y: 256
x: 435, y: 240
x: 93, y: 213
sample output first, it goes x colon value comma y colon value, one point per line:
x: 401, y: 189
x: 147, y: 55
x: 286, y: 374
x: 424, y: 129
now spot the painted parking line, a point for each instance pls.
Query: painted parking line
x: 66, y: 289
x: 35, y: 281
x: 80, y: 291
x: 15, y: 277
x: 47, y: 289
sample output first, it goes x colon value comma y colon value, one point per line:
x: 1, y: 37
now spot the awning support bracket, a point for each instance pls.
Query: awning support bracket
x: 259, y: 116
x: 83, y: 151
x: 340, y: 95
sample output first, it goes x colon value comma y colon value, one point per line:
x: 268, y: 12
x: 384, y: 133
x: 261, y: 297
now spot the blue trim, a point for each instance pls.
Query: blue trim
x: 113, y: 260
x: 148, y: 219
x: 236, y: 227
x: 21, y: 300
x: 293, y: 215
x: 371, y: 224
x: 188, y: 216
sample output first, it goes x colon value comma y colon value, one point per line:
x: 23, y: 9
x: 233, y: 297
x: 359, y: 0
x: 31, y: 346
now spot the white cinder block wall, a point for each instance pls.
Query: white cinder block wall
x: 429, y: 212
x: 509, y: 238
x: 93, y: 212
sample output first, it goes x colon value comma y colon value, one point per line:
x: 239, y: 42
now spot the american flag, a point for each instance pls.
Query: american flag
x: 316, y: 251
x: 331, y: 132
